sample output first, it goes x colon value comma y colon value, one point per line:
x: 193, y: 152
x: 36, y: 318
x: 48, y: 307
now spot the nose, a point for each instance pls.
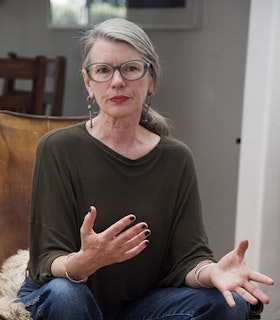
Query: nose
x: 117, y: 79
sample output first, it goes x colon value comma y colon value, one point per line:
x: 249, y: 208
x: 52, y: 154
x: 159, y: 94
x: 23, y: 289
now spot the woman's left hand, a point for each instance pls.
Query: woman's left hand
x: 231, y: 274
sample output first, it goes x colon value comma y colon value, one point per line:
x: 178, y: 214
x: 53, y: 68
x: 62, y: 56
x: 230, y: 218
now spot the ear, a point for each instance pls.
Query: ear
x: 151, y: 91
x: 87, y: 83
x: 151, y: 87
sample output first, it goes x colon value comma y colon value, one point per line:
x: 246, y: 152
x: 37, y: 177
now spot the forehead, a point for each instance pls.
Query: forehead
x: 111, y: 51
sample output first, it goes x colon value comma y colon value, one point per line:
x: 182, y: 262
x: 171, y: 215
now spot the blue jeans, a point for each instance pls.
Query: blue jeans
x: 61, y: 299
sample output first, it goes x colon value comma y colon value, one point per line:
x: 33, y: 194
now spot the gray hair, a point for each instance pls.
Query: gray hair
x: 126, y: 31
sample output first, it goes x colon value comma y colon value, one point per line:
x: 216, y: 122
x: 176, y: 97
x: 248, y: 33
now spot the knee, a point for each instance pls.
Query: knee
x: 73, y: 300
x: 220, y: 306
x: 62, y: 290
x: 61, y: 299
x: 241, y: 308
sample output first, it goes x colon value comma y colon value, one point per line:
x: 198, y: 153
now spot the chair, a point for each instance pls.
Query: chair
x: 56, y: 70
x: 19, y: 134
x: 27, y: 70
x: 54, y: 86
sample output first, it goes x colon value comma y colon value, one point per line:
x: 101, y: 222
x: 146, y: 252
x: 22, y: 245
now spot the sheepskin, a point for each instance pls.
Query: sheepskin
x: 11, y: 277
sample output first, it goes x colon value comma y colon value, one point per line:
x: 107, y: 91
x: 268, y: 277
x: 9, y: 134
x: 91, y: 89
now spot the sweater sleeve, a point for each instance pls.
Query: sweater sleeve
x: 54, y: 218
x: 188, y: 242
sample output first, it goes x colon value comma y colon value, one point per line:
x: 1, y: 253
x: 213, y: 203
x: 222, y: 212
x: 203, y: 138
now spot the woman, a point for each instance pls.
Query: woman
x: 141, y: 251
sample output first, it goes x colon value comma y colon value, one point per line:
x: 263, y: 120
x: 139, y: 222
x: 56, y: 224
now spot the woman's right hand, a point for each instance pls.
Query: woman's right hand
x: 113, y: 245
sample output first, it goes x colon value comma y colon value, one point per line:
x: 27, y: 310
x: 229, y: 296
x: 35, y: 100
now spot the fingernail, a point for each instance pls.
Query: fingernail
x: 144, y: 226
x: 132, y: 217
x: 147, y: 242
x: 147, y: 232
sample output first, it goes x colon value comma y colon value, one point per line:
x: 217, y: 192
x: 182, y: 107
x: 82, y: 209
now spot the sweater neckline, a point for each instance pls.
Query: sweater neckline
x: 117, y: 155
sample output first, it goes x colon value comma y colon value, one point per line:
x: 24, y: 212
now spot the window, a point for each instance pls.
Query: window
x: 73, y: 13
x: 149, y: 14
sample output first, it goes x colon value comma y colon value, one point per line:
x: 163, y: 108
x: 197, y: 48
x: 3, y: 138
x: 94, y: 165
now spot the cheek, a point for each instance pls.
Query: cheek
x: 143, y: 89
x: 98, y: 93
x: 139, y: 96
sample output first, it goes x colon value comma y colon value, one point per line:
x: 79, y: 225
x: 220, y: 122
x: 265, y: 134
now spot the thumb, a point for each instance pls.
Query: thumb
x: 242, y: 247
x: 89, y: 220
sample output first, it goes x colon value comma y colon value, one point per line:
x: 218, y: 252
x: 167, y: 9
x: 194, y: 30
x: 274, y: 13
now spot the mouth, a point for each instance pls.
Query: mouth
x: 119, y: 99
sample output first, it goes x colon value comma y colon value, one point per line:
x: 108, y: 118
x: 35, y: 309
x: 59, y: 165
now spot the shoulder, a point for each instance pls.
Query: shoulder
x: 175, y: 146
x: 63, y: 138
x: 63, y: 135
x: 177, y: 160
x: 177, y: 155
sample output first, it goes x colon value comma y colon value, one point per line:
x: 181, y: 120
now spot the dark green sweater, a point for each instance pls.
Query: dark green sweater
x: 74, y: 171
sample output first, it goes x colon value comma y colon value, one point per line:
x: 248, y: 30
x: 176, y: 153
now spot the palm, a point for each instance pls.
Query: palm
x: 232, y: 275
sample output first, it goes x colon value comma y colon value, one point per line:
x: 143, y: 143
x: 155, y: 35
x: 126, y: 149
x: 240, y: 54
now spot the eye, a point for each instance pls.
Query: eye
x: 132, y: 67
x: 102, y: 69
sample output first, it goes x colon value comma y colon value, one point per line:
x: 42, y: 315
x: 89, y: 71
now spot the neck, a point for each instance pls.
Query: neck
x: 115, y: 131
x: 124, y: 137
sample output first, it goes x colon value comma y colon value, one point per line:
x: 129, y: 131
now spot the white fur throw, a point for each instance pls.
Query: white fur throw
x: 11, y: 277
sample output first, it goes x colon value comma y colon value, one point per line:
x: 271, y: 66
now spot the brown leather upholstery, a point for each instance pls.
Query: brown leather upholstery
x: 19, y: 135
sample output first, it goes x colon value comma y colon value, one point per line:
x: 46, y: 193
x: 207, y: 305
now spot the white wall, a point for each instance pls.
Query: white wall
x: 202, y: 90
x: 258, y: 211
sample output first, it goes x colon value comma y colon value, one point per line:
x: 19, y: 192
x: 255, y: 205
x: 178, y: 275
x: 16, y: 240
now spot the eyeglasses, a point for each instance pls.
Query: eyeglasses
x: 130, y: 70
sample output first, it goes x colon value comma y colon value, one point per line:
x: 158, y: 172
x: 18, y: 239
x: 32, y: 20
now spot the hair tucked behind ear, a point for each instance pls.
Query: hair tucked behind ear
x: 130, y: 33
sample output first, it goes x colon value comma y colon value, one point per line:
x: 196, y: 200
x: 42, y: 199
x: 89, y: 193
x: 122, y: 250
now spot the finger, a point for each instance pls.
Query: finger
x: 130, y: 233
x: 134, y: 251
x: 229, y: 298
x: 88, y: 223
x: 133, y: 238
x: 257, y: 293
x: 118, y: 227
x: 261, y: 278
x: 246, y: 295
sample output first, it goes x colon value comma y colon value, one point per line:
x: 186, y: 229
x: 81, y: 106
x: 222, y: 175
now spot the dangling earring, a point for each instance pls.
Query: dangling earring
x: 147, y: 105
x: 90, y: 105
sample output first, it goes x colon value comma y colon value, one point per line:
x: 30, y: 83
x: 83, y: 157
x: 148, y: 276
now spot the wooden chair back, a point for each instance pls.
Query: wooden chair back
x: 54, y: 97
x: 19, y: 135
x: 32, y: 71
x: 54, y: 85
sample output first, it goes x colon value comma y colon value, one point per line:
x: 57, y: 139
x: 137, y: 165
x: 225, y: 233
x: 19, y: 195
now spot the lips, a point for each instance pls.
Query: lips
x: 119, y: 99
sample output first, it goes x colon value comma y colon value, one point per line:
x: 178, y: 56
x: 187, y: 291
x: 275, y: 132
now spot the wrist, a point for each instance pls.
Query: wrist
x: 70, y: 271
x: 201, y: 274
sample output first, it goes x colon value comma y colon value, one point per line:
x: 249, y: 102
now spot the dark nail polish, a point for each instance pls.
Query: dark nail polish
x: 132, y: 217
x: 147, y: 232
x: 144, y: 226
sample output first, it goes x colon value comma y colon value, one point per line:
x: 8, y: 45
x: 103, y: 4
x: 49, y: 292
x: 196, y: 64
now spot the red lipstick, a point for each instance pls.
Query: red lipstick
x: 119, y: 99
